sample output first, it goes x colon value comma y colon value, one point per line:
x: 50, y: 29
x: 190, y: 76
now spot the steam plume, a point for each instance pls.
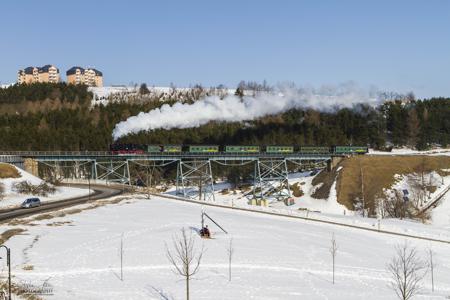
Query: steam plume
x: 233, y: 108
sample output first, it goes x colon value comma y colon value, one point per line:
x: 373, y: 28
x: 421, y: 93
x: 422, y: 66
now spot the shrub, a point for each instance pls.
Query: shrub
x: 25, y: 187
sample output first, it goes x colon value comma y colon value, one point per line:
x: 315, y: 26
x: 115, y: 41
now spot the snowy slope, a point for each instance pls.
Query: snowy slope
x: 13, y: 199
x: 275, y: 258
x: 441, y: 214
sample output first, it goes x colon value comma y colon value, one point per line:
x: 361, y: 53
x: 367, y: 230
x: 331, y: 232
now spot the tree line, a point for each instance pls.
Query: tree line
x: 70, y: 122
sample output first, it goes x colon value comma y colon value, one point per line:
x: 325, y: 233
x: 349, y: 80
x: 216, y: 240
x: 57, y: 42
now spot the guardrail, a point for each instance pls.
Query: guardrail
x: 12, y: 159
x: 436, y: 198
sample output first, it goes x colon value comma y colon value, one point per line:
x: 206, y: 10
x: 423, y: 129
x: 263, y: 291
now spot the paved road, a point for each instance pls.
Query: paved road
x: 99, y: 192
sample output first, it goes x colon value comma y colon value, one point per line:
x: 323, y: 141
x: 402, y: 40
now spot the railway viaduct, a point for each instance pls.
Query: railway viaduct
x: 194, y: 177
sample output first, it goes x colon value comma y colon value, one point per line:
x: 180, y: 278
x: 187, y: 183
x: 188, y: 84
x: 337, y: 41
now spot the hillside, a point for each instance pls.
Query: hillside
x: 61, y: 117
x: 373, y: 176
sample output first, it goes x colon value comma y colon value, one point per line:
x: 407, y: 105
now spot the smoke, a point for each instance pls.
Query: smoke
x: 233, y: 108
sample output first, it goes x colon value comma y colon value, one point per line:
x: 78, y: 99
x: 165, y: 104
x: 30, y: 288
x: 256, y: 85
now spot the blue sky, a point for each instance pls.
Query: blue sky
x: 399, y: 45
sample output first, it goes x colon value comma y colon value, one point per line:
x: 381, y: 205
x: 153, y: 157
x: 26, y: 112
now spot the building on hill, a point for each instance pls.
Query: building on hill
x: 47, y: 73
x: 89, y: 76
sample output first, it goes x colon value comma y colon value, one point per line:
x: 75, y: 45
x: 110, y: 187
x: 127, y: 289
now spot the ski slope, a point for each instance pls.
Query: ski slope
x: 274, y: 257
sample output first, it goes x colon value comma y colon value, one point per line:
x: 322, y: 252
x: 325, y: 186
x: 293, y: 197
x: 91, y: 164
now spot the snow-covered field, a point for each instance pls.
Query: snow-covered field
x: 274, y: 257
x: 408, y: 151
x: 330, y: 210
x: 14, y: 199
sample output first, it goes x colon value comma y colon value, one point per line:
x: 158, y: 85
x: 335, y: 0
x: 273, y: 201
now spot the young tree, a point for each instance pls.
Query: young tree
x: 230, y: 252
x: 407, y: 271
x: 185, y: 257
x: 431, y: 264
x: 121, y: 257
x: 2, y: 191
x: 333, y: 251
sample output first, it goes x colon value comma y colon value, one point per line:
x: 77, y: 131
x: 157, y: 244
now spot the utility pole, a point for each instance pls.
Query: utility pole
x: 89, y: 185
x: 8, y: 262
x: 148, y: 182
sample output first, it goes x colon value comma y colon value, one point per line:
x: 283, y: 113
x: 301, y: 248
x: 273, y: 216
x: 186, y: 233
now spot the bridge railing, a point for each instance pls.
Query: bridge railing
x: 159, y: 154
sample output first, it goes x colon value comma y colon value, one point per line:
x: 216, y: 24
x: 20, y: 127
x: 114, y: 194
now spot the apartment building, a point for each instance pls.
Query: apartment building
x: 89, y: 76
x: 47, y: 73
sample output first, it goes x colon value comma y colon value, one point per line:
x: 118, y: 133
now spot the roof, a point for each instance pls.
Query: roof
x: 73, y: 70
x: 28, y: 70
x: 45, y: 68
x: 97, y: 72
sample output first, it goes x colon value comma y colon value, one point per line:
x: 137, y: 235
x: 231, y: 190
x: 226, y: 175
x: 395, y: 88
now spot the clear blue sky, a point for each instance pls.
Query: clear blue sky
x: 396, y: 45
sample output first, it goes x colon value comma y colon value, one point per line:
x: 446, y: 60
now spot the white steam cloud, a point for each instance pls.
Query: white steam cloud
x: 233, y: 108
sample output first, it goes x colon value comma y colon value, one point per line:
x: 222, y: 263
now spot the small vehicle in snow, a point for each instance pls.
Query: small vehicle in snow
x: 31, y: 202
x: 205, y: 233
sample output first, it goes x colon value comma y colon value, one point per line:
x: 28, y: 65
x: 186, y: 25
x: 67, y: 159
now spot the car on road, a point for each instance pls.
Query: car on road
x: 31, y: 202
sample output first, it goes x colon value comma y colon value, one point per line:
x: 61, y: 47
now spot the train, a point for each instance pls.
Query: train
x: 118, y: 149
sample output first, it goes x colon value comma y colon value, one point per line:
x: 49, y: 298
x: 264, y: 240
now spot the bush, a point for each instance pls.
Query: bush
x: 297, y: 190
x: 25, y: 187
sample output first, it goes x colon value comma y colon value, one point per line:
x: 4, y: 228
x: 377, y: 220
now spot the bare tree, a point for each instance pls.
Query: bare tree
x: 333, y: 251
x: 185, y: 257
x: 407, y: 271
x: 397, y: 207
x: 121, y: 257
x: 431, y: 266
x: 2, y: 191
x: 362, y: 189
x: 230, y: 252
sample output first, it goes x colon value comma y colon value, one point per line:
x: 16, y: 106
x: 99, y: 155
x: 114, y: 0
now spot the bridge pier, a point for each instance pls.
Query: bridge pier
x: 31, y: 166
x: 195, y: 180
x: 113, y: 171
x: 271, y: 179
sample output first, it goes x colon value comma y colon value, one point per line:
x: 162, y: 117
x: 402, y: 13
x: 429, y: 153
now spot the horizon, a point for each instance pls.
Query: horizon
x: 398, y: 47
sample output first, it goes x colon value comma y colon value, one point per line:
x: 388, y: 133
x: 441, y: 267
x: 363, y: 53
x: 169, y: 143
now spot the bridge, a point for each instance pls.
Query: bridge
x: 194, y: 173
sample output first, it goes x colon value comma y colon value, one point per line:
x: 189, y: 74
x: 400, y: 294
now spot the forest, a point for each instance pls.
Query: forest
x: 61, y: 117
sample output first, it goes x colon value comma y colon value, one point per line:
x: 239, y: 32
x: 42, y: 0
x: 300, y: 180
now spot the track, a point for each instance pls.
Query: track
x: 100, y: 192
x: 438, y: 198
x: 306, y: 219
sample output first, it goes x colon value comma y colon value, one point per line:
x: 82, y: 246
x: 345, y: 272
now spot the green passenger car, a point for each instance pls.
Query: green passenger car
x: 171, y: 148
x: 153, y: 148
x: 242, y: 149
x: 314, y: 149
x: 350, y: 149
x: 203, y: 149
x: 279, y: 149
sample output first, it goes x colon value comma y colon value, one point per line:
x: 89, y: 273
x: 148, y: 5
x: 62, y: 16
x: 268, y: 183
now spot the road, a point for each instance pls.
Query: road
x: 99, y: 192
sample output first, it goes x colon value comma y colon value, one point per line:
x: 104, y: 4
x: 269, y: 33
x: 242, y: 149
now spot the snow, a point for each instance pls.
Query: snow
x: 274, y: 257
x: 102, y: 93
x: 12, y: 199
x: 408, y: 151
x: 411, y: 183
x: 330, y: 210
x: 441, y: 214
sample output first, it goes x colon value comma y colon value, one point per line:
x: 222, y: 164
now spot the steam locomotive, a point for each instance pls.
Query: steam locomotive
x: 118, y: 149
